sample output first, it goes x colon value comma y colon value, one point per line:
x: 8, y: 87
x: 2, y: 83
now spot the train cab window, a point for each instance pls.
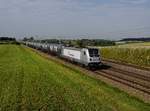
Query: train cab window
x: 93, y: 53
x: 84, y: 53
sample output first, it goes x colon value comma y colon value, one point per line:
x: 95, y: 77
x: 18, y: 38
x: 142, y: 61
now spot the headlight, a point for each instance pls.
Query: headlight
x: 90, y: 59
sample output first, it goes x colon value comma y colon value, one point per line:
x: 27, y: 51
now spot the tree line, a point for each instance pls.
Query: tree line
x: 76, y: 42
x: 136, y: 39
x: 7, y: 39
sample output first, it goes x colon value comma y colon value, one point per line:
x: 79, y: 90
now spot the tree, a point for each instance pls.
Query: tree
x: 25, y: 39
x: 31, y: 38
x: 80, y: 43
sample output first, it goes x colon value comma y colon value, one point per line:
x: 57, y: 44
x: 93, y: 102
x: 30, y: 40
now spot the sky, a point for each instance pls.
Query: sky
x: 74, y: 19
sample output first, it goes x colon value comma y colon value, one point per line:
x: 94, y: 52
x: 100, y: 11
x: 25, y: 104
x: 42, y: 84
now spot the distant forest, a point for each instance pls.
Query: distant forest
x: 7, y: 39
x: 82, y: 42
x: 76, y: 42
x: 136, y: 39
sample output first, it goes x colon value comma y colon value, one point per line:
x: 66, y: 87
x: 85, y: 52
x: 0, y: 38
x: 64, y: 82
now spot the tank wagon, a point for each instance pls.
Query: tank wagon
x: 89, y: 57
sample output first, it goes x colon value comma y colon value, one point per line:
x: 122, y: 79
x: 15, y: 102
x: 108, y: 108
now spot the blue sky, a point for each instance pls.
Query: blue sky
x: 103, y: 19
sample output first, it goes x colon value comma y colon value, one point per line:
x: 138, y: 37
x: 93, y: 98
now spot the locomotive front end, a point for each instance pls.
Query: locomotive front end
x: 94, y: 59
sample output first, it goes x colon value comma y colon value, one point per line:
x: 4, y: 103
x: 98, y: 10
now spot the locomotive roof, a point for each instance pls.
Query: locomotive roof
x: 79, y: 49
x: 73, y: 48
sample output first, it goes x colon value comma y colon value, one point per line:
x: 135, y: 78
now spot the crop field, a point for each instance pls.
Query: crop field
x: 134, y: 53
x: 135, y: 45
x: 30, y: 82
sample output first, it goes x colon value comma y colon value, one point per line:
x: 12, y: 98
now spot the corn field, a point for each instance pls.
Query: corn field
x: 137, y: 56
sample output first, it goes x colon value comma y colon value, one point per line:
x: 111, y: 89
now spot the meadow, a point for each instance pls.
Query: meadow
x: 132, y: 53
x: 30, y: 82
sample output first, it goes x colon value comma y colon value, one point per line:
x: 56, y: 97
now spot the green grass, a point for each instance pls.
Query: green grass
x: 31, y: 82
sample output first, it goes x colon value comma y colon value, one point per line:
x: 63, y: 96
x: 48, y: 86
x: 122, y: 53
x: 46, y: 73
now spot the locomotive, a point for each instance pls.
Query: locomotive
x: 88, y: 57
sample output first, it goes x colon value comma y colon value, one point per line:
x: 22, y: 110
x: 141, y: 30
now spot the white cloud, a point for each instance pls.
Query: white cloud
x: 70, y: 17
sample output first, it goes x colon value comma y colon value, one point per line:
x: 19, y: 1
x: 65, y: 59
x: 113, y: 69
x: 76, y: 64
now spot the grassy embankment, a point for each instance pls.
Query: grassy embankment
x: 134, y: 53
x: 31, y: 82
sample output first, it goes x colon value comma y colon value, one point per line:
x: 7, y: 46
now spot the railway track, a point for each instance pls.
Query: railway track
x: 124, y: 82
x: 131, y: 78
x: 132, y: 74
x: 135, y: 70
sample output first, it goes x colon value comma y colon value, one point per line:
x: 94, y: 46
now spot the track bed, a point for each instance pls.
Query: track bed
x: 130, y: 79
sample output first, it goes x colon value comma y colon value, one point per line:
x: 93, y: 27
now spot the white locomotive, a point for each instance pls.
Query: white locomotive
x: 89, y: 57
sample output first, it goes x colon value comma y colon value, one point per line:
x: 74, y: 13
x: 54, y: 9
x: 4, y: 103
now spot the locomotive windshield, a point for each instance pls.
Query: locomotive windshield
x: 93, y: 53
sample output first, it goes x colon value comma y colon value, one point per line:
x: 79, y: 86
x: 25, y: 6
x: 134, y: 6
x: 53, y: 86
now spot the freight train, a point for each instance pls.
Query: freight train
x: 88, y: 57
